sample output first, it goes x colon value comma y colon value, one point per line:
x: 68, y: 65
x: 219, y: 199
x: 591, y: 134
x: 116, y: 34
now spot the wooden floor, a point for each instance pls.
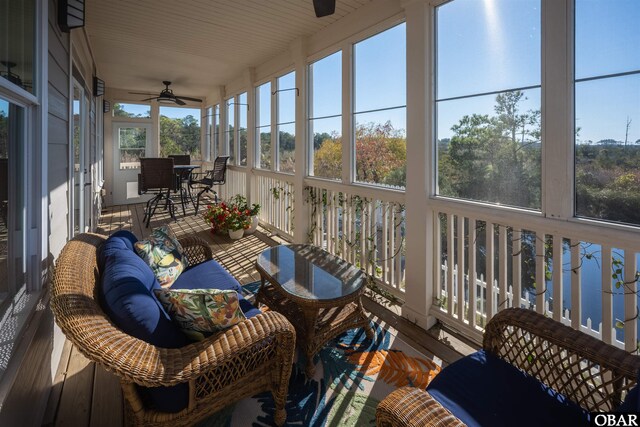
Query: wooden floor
x: 84, y: 394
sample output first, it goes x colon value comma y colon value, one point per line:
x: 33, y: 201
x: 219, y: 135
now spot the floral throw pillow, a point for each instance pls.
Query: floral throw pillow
x: 164, y: 254
x: 202, y: 310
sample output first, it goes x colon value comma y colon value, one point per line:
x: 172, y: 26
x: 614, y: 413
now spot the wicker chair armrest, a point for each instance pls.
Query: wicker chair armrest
x: 197, y: 249
x: 588, y: 371
x: 142, y: 363
x: 413, y: 407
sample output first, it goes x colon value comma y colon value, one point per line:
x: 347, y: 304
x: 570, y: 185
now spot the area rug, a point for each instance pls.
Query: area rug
x: 353, y: 374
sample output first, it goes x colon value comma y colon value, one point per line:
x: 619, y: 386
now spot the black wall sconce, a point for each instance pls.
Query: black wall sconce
x: 70, y: 14
x: 106, y: 106
x: 98, y: 87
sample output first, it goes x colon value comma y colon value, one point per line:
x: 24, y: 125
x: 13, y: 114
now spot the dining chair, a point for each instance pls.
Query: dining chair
x: 215, y: 176
x: 157, y: 177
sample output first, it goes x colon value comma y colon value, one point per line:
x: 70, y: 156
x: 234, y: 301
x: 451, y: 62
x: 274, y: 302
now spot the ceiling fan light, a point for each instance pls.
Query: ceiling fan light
x: 163, y: 100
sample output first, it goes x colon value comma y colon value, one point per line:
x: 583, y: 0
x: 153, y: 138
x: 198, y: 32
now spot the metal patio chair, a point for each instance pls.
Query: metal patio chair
x: 215, y: 176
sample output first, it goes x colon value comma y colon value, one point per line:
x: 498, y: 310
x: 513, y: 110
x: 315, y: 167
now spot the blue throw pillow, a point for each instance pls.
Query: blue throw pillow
x: 126, y: 295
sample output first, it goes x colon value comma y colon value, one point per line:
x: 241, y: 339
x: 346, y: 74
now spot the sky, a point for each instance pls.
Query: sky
x: 482, y: 46
x: 493, y: 45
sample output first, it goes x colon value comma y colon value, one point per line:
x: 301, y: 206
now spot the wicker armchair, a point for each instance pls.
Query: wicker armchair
x: 592, y: 374
x: 251, y: 357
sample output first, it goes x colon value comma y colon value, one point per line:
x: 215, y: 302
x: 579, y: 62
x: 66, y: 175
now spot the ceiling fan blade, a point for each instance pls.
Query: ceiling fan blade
x: 141, y: 93
x: 186, y: 98
x: 324, y: 7
x: 180, y: 102
x: 148, y: 99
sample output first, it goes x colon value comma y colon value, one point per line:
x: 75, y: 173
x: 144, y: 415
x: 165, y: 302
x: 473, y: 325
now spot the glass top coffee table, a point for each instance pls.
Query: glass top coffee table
x: 319, y: 293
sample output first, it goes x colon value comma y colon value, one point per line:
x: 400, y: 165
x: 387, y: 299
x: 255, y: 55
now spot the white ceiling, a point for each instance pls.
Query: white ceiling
x: 196, y: 44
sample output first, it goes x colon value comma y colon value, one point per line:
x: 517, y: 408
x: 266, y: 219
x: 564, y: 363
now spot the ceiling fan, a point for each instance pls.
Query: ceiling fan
x: 167, y: 96
x: 324, y: 7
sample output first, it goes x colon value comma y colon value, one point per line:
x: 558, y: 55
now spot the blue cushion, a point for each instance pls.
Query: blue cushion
x: 127, y: 298
x: 483, y: 390
x: 211, y: 275
x: 631, y: 401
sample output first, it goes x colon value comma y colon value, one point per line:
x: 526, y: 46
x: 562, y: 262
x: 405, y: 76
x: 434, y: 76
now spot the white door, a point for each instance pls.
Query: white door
x: 80, y: 177
x: 130, y: 142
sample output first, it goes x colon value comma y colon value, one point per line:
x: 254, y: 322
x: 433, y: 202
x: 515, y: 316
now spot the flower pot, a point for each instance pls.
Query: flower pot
x: 236, y: 234
x: 254, y: 225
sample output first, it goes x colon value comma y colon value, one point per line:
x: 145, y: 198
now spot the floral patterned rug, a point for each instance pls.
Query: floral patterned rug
x: 353, y: 374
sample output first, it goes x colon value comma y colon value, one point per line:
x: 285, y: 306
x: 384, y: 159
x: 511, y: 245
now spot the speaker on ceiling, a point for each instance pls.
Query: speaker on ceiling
x: 70, y: 14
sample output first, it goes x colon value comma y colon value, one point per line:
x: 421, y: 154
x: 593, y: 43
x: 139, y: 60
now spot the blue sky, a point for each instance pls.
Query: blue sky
x: 493, y: 45
x: 482, y: 45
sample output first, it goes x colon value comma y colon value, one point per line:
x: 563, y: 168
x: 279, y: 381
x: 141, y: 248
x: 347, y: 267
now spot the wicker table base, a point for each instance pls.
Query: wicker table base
x: 314, y: 325
x: 317, y: 292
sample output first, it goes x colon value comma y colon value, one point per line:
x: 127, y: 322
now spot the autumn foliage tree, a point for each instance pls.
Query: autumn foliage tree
x: 381, y: 155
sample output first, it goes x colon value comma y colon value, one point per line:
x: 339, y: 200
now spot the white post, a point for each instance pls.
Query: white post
x: 348, y: 135
x: 300, y: 208
x: 222, y: 128
x: 420, y: 218
x: 557, y: 105
x: 251, y: 134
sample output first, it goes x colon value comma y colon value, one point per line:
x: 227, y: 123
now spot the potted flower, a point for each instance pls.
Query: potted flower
x: 237, y: 221
x: 252, y: 212
x: 217, y: 215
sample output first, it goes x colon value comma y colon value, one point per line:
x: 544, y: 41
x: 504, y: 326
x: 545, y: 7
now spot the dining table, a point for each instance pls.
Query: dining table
x: 183, y: 173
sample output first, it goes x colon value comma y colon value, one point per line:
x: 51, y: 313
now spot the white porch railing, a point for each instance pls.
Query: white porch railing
x: 236, y: 183
x: 362, y: 225
x: 577, y: 272
x: 276, y: 196
x: 589, y: 327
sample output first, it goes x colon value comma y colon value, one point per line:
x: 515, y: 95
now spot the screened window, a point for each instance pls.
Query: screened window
x: 263, y: 126
x: 286, y: 125
x: 607, y: 110
x: 325, y: 116
x: 213, y: 127
x: 230, y: 129
x: 132, y: 143
x: 12, y: 202
x: 380, y: 108
x: 17, y: 49
x: 180, y: 131
x: 488, y: 73
x: 132, y: 111
x: 242, y: 128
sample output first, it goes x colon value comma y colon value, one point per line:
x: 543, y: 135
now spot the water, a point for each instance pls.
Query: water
x: 591, y: 298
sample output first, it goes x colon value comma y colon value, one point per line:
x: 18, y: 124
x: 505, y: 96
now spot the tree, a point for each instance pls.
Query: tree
x: 179, y: 136
x: 494, y: 158
x: 380, y: 150
x: 327, y: 160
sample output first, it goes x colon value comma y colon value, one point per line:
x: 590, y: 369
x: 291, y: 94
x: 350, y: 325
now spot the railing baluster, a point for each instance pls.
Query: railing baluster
x: 385, y: 241
x: 557, y: 277
x: 576, y: 286
x: 471, y: 312
x: 516, y: 244
x: 398, y: 247
x: 461, y: 232
x: 540, y: 272
x: 491, y: 310
x: 630, y: 301
x: 450, y: 263
x: 502, y: 267
x: 437, y: 255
